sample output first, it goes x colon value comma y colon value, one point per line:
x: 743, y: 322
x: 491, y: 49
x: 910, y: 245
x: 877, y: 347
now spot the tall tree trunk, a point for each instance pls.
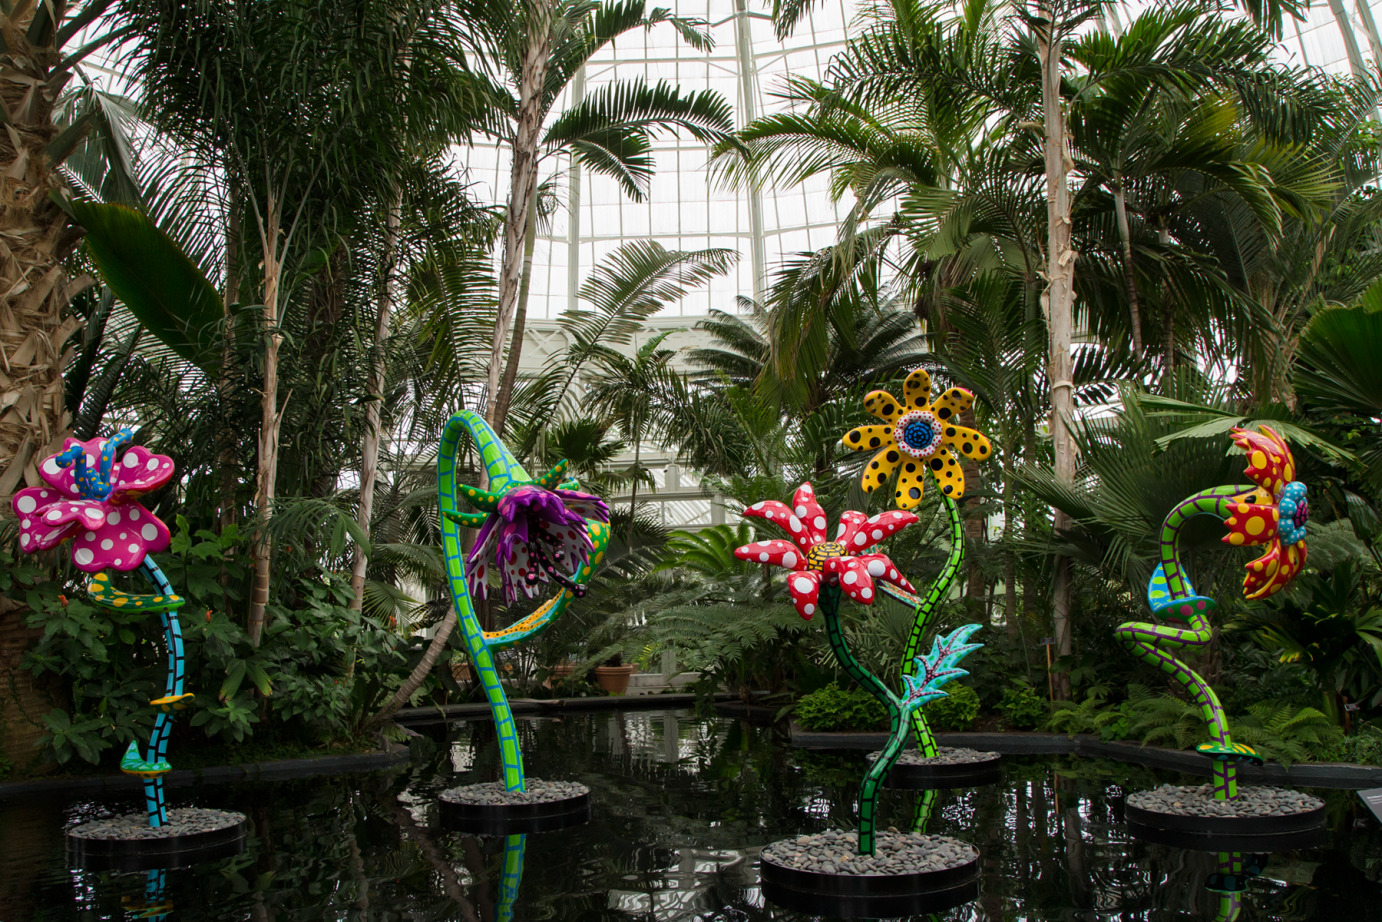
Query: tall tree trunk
x: 1120, y: 207
x: 520, y: 320
x: 369, y: 440
x: 35, y: 237
x: 227, y: 468
x: 1168, y: 311
x: 270, y: 417
x: 1058, y: 303
x: 522, y: 186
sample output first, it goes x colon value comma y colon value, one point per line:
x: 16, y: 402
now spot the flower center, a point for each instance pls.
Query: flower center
x: 818, y: 555
x: 918, y: 433
x: 1294, y: 507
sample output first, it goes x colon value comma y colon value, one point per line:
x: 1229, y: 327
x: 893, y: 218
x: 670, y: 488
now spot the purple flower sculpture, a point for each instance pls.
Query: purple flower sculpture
x: 535, y: 535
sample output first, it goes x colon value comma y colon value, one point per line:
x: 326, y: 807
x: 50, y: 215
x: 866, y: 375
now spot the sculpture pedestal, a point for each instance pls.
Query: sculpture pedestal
x: 950, y: 768
x: 127, y: 843
x: 487, y: 809
x: 1259, y: 820
x: 910, y: 874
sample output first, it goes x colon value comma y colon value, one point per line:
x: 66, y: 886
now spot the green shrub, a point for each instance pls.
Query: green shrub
x: 1024, y: 708
x: 956, y: 711
x: 832, y: 709
x: 1365, y: 748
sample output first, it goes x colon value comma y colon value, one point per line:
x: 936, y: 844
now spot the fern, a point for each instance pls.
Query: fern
x: 1285, y: 734
x: 1088, y: 716
x: 1163, y: 718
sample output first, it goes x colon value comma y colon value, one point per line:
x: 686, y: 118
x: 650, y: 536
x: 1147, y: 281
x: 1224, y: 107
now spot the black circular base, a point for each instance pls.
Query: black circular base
x: 912, y: 777
x: 1228, y: 833
x: 869, y: 895
x: 153, y: 854
x: 509, y: 819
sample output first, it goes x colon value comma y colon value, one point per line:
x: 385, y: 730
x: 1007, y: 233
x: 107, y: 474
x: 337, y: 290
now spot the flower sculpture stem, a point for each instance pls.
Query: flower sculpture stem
x: 1254, y: 515
x: 925, y: 608
x: 504, y: 474
x: 172, y: 693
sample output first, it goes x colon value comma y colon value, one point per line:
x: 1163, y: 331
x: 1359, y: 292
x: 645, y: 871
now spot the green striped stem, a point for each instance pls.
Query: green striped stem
x: 921, y: 812
x: 897, y: 730
x: 1156, y: 644
x: 512, y: 876
x: 940, y: 588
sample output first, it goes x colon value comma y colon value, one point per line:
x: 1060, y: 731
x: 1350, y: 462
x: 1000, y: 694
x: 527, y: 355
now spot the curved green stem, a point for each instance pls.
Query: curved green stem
x: 897, y: 732
x: 940, y: 588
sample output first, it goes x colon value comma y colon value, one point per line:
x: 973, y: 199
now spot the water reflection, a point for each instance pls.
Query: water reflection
x: 681, y: 807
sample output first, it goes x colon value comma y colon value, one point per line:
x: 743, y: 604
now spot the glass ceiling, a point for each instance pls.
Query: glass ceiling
x: 684, y: 210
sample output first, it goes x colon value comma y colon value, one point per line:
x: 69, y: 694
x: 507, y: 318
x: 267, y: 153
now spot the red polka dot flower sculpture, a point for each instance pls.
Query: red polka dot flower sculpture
x: 815, y: 560
x: 1274, y: 514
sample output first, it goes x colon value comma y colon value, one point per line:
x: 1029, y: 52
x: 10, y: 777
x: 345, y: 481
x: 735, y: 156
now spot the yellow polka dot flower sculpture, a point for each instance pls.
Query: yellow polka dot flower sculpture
x: 1274, y: 514
x: 917, y: 436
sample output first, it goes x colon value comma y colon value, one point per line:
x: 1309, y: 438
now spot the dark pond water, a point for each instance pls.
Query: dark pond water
x: 681, y: 807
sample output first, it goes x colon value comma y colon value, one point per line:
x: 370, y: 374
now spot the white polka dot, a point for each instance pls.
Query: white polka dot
x: 763, y: 557
x: 874, y: 518
x: 92, y: 514
x: 794, y: 524
x: 113, y: 518
x: 123, y: 536
x: 840, y: 531
x: 52, y: 515
x: 51, y: 466
x: 756, y: 506
x: 42, y: 494
x: 24, y: 540
x: 130, y: 459
x: 25, y: 523
x: 134, y: 549
x: 820, y: 522
x: 82, y: 556
x: 866, y: 592
x: 90, y: 461
x: 876, y: 568
x: 893, y: 574
x: 134, y: 514
x: 803, y: 585
x: 808, y: 609
x: 118, y: 561
x: 26, y: 504
x: 801, y: 512
x: 90, y: 536
x: 878, y: 534
x: 850, y: 578
x: 107, y: 544
x: 149, y: 531
x: 152, y: 464
x: 861, y: 539
x: 789, y: 560
x: 769, y: 514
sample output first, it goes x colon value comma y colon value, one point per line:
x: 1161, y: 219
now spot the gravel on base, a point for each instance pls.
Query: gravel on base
x: 897, y: 853
x: 945, y: 755
x: 492, y: 793
x: 182, y: 821
x: 1198, y: 800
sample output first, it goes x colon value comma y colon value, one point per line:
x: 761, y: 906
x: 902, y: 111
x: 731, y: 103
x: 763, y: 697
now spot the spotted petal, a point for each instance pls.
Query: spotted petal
x: 774, y: 511
x: 869, y: 438
x: 810, y: 512
x: 130, y: 533
x: 1270, y: 464
x: 883, y: 405
x: 776, y: 552
x: 1269, y: 573
x: 90, y: 514
x: 880, y: 469
x: 805, y: 588
x: 586, y: 505
x: 968, y: 442
x: 916, y: 390
x: 952, y: 403
x: 854, y: 578
x: 850, y: 523
x: 137, y: 472
x: 911, y: 484
x: 876, y: 528
x: 949, y: 475
x: 1251, y: 523
x: 881, y: 567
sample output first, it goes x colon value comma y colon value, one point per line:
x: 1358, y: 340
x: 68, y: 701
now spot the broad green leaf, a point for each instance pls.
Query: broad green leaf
x: 155, y: 279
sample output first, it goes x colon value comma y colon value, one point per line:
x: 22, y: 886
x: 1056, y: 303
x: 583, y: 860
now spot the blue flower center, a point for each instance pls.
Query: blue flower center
x: 1295, y: 513
x: 918, y: 434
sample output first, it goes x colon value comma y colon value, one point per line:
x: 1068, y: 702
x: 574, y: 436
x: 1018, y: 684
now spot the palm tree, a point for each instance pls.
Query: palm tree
x: 36, y: 326
x: 539, y: 52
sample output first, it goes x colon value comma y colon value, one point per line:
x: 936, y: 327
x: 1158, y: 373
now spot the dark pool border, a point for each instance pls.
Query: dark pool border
x: 1308, y: 774
x: 549, y: 706
x: 221, y: 774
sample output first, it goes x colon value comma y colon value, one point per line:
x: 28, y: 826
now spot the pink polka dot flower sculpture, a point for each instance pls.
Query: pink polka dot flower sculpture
x: 814, y: 559
x: 91, y: 497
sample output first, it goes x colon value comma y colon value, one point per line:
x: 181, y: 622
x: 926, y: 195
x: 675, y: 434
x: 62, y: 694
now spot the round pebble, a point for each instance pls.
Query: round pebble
x: 537, y: 791
x: 945, y: 755
x: 182, y: 821
x: 835, y: 852
x: 1198, y: 800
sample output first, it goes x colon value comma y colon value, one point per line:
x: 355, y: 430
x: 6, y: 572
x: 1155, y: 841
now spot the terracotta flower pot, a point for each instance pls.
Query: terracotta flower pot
x: 614, y: 679
x: 559, y: 672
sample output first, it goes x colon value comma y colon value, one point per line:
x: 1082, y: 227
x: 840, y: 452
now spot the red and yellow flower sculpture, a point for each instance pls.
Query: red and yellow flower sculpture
x: 919, y: 436
x: 815, y: 559
x: 1275, y: 514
